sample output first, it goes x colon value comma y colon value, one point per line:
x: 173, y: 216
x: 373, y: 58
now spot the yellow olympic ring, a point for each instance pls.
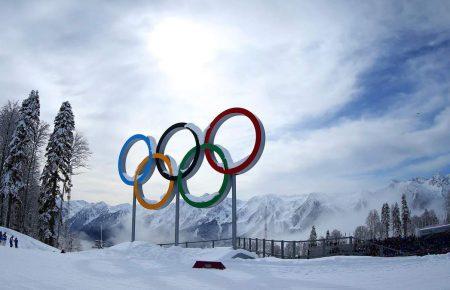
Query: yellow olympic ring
x: 137, y: 186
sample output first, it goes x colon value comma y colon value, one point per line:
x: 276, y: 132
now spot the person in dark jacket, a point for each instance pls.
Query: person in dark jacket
x: 16, y: 242
x: 5, y: 237
x: 11, y: 241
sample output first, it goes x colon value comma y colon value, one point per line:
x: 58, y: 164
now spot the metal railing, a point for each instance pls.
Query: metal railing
x: 298, y: 249
x: 201, y: 244
x: 344, y: 246
x: 301, y: 249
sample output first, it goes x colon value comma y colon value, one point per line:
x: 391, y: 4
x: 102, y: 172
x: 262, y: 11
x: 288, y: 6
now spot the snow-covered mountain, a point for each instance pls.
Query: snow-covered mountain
x: 283, y: 216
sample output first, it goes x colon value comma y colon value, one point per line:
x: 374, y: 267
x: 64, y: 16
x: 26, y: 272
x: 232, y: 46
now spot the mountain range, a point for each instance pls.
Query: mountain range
x: 270, y: 215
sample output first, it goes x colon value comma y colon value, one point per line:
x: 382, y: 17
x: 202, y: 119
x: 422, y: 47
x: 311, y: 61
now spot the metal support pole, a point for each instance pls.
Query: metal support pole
x: 256, y: 246
x: 233, y: 211
x: 272, y: 248
x: 293, y: 249
x: 101, y: 236
x: 264, y: 248
x: 352, y: 245
x: 177, y: 217
x: 133, y: 220
x: 282, y: 249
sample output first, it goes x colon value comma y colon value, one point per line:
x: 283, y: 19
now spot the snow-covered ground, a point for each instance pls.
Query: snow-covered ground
x: 142, y: 265
x: 25, y: 242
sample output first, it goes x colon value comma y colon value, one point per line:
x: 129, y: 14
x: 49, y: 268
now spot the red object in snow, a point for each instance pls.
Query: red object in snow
x: 208, y: 265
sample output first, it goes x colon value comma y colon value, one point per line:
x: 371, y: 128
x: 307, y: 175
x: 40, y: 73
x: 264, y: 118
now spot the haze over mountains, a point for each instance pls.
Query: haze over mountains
x: 285, y: 216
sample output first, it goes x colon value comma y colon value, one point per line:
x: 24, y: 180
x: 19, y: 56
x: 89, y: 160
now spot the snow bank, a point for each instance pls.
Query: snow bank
x: 178, y: 254
x: 27, y: 242
x: 141, y: 265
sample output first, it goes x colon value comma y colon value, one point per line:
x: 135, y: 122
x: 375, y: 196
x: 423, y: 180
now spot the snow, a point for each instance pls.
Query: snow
x: 26, y: 242
x: 141, y: 265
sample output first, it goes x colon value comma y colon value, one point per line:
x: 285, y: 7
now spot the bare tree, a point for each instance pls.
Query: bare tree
x: 79, y: 160
x: 31, y: 194
x: 362, y: 233
x: 81, y: 153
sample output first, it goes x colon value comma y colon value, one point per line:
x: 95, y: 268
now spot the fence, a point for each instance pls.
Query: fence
x: 298, y: 249
x: 345, y: 246
x: 201, y: 244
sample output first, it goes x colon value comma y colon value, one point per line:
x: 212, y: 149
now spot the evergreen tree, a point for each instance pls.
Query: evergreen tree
x: 428, y: 218
x: 432, y: 218
x: 313, y: 237
x: 447, y: 205
x: 374, y: 224
x: 13, y: 184
x: 396, y: 221
x: 406, y: 220
x: 385, y: 220
x: 9, y: 115
x: 57, y: 171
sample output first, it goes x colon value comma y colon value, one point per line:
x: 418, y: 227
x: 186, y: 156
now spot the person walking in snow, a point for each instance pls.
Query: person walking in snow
x: 16, y: 242
x: 5, y: 237
x: 11, y: 241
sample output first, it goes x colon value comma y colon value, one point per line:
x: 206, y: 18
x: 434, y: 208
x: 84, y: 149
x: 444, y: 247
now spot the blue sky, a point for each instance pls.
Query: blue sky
x: 352, y: 94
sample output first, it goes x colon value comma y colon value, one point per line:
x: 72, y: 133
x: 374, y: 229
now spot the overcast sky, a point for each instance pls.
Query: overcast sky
x: 351, y: 94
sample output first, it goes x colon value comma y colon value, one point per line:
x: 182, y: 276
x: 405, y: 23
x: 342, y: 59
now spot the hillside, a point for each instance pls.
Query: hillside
x: 27, y: 242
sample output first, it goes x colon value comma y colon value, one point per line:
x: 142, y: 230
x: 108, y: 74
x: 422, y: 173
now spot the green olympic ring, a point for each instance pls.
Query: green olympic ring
x: 216, y: 198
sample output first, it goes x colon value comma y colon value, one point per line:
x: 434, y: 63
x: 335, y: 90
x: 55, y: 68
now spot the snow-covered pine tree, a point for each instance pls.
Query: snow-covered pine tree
x: 396, y: 221
x: 13, y: 184
x: 313, y: 237
x: 385, y: 220
x: 406, y: 219
x: 57, y: 170
x: 9, y: 115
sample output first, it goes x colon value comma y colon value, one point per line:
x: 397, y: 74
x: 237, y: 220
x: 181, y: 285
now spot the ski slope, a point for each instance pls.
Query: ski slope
x: 142, y: 265
x: 26, y: 242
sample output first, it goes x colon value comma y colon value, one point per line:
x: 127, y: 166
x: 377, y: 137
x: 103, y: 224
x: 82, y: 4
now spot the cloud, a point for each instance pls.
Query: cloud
x: 301, y: 67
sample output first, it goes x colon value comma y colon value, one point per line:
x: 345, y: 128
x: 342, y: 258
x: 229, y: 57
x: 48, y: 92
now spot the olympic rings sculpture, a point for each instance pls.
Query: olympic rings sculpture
x: 190, y: 164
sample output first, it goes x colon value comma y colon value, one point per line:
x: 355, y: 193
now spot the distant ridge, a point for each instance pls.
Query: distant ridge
x: 287, y: 216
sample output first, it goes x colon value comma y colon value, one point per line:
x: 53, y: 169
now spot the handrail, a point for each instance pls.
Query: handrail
x: 302, y: 241
x: 194, y: 242
x: 351, y: 240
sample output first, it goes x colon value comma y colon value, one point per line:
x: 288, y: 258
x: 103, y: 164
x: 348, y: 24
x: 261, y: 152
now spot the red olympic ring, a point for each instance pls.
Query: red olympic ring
x: 258, y: 148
